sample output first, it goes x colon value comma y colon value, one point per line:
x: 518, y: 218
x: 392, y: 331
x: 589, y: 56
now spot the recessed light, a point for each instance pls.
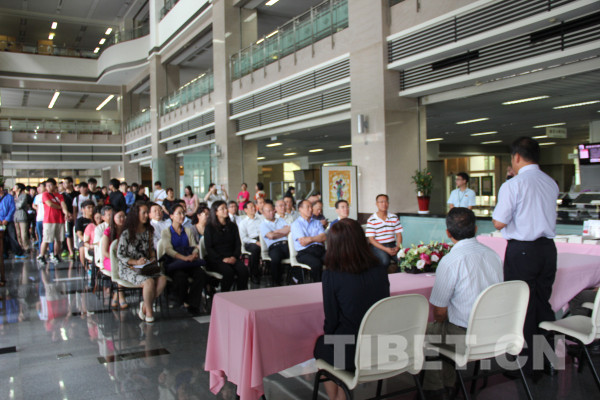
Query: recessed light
x: 271, y: 2
x: 540, y: 137
x: 346, y: 146
x: 549, y: 125
x: 492, y: 141
x: 508, y: 103
x: 54, y: 25
x: 547, y: 143
x: 274, y: 144
x: 470, y: 121
x: 102, y: 41
x: 56, y: 94
x: 585, y: 103
x: 108, y: 31
x: 437, y: 139
x: 51, y: 36
x: 315, y: 150
x: 260, y: 158
x: 97, y: 49
x: 109, y: 98
x: 289, y: 154
x: 484, y: 133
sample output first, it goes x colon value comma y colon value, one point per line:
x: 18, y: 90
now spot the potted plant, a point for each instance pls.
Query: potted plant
x: 424, y: 182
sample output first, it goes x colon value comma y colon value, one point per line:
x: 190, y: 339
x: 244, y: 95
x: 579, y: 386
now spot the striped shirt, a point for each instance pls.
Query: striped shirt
x: 383, y: 231
x: 462, y: 275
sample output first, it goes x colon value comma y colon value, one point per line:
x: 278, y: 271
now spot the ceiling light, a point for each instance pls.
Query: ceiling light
x: 51, y: 36
x: 345, y: 146
x: 37, y: 127
x: 549, y: 125
x: 260, y: 158
x: 492, y: 141
x: 272, y: 33
x: 271, y: 2
x: 547, y: 143
x: 109, y: 98
x: 54, y: 25
x: 108, y: 31
x: 508, y: 103
x: 289, y: 154
x: 437, y: 139
x: 585, y: 103
x: 540, y: 137
x: 54, y: 98
x: 10, y: 127
x: 259, y: 41
x: 102, y: 41
x: 97, y: 49
x: 274, y: 144
x: 469, y: 121
x: 484, y: 133
x: 315, y: 150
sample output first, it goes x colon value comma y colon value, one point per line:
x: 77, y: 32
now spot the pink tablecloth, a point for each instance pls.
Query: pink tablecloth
x: 256, y: 333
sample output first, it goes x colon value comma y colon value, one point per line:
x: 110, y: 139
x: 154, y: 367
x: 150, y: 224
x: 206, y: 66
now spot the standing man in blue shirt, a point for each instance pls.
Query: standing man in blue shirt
x: 308, y: 235
x: 526, y: 215
x: 7, y: 214
x: 462, y: 196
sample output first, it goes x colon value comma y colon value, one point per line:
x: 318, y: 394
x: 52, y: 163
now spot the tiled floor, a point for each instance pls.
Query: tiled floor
x: 70, y: 346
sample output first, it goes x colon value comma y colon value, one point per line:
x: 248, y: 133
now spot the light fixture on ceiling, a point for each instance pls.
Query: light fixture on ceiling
x: 271, y: 2
x: 584, y: 103
x: 37, y: 127
x: 101, y: 42
x: 492, y: 142
x: 54, y: 98
x: 108, y: 31
x: 345, y: 146
x: 547, y: 144
x: 470, y: 121
x: 315, y: 150
x: 97, y: 49
x: 549, y: 125
x: 259, y: 41
x: 54, y: 25
x: 289, y: 154
x: 109, y: 98
x: 272, y: 33
x: 437, y: 139
x: 260, y: 158
x: 51, y: 36
x: 528, y: 99
x: 274, y: 144
x: 540, y: 137
x: 484, y: 133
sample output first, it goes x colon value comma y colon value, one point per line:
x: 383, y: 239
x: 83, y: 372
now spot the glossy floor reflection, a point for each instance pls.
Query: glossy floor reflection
x: 69, y: 345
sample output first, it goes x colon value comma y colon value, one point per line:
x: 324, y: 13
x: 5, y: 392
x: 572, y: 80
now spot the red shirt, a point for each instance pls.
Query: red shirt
x: 53, y: 215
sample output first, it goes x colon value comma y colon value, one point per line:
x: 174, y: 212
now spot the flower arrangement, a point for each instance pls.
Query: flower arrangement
x: 424, y: 182
x: 423, y: 257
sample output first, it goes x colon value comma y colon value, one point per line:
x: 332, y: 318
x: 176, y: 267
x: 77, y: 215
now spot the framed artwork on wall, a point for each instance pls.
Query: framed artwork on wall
x: 487, y: 186
x: 474, y: 184
x: 339, y: 183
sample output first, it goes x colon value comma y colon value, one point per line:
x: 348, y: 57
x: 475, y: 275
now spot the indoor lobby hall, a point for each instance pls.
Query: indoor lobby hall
x: 59, y: 341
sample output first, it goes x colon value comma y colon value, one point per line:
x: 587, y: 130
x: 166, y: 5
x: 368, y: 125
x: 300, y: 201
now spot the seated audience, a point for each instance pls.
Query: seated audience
x: 87, y: 207
x: 232, y: 210
x: 290, y: 211
x: 135, y: 249
x: 90, y: 232
x: 318, y: 213
x: 107, y: 216
x: 260, y: 203
x: 280, y: 212
x: 274, y: 231
x: 461, y: 276
x: 353, y: 281
x: 384, y: 232
x: 249, y: 227
x: 157, y: 222
x: 214, y: 194
x: 187, y: 221
x: 223, y: 247
x: 111, y: 233
x: 191, y: 202
x: 202, y: 217
x: 308, y: 236
x: 342, y: 209
x: 169, y: 202
x: 183, y: 262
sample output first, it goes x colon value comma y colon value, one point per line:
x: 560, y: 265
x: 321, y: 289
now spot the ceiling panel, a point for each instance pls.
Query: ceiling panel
x: 13, y: 98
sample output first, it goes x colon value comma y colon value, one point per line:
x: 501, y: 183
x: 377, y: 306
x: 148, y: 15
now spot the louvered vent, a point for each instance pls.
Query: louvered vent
x: 194, y: 123
x: 193, y: 138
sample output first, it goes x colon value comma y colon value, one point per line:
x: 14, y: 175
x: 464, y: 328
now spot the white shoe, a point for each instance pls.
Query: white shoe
x: 141, y: 312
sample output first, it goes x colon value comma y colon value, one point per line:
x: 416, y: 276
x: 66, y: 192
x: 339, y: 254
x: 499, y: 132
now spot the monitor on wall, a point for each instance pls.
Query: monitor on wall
x: 589, y: 154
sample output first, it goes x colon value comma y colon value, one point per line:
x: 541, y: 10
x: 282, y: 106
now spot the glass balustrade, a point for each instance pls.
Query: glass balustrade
x: 189, y: 92
x: 137, y: 121
x: 60, y: 126
x: 318, y: 23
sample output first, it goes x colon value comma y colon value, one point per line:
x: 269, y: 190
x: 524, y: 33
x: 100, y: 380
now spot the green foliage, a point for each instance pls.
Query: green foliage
x: 424, y: 181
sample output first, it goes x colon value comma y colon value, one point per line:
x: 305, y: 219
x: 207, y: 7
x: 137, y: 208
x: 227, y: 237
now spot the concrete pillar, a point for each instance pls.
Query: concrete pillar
x: 233, y: 28
x: 595, y: 131
x: 394, y: 145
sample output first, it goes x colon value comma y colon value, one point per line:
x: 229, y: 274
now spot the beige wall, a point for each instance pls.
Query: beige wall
x: 410, y: 13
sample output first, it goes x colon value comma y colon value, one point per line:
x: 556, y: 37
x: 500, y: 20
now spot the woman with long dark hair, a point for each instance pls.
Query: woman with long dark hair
x: 352, y: 283
x: 223, y: 247
x: 136, y: 248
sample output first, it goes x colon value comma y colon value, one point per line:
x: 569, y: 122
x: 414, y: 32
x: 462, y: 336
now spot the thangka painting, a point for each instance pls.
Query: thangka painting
x: 340, y: 186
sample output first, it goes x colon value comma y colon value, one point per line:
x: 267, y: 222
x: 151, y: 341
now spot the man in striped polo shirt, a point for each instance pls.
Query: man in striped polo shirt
x: 384, y: 232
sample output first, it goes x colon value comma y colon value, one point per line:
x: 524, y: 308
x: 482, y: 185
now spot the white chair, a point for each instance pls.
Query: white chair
x: 408, y: 324
x: 495, y: 328
x: 160, y: 249
x: 581, y: 329
x: 293, y: 261
x: 114, y: 268
x: 264, y: 252
x: 203, y: 253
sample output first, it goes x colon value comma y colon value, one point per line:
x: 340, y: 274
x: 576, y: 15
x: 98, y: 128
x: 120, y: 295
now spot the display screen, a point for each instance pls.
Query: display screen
x: 589, y: 153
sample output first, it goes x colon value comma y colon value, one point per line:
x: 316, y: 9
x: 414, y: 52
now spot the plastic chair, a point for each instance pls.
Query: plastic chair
x: 495, y: 328
x: 203, y: 253
x: 264, y: 253
x: 580, y: 329
x: 114, y: 270
x: 409, y: 323
x: 293, y: 261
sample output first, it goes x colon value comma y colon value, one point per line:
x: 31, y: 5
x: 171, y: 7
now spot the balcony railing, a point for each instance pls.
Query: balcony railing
x: 137, y: 121
x: 60, y: 126
x: 196, y: 88
x: 169, y: 4
x: 317, y: 23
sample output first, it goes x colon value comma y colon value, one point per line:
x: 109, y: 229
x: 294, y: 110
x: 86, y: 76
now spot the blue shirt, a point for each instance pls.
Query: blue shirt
x: 527, y: 205
x: 129, y: 199
x: 303, y: 228
x: 458, y: 198
x: 180, y: 242
x: 267, y: 226
x: 7, y: 207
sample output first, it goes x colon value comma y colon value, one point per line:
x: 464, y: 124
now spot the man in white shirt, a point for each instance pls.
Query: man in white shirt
x: 290, y: 212
x: 159, y: 193
x: 157, y: 222
x: 84, y: 195
x: 462, y: 196
x: 275, y: 232
x: 461, y: 276
x: 384, y: 232
x: 232, y: 210
x: 526, y: 215
x: 38, y: 206
x: 281, y: 213
x: 249, y: 227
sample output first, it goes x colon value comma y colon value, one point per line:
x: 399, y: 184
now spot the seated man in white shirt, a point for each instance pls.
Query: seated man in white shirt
x: 249, y: 227
x: 157, y: 222
x: 462, y: 196
x: 461, y: 276
x: 290, y: 212
x: 232, y: 210
x: 281, y: 213
x: 274, y: 231
x: 384, y: 232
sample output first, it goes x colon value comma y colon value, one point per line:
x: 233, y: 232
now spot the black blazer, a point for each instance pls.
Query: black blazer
x: 222, y: 243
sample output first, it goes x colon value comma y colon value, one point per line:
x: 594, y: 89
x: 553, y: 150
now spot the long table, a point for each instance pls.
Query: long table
x: 256, y: 333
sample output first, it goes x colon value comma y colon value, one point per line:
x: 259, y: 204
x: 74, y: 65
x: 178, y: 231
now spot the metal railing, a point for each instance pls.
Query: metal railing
x: 169, y: 4
x: 60, y: 126
x: 319, y: 22
x: 137, y: 121
x: 194, y: 89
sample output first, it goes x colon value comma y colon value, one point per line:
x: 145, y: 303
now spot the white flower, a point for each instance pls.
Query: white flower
x: 420, y: 264
x: 422, y: 249
x: 401, y: 253
x: 435, y: 258
x: 412, y: 252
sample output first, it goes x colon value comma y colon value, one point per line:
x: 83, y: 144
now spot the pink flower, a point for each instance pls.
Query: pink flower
x: 445, y: 246
x: 425, y: 258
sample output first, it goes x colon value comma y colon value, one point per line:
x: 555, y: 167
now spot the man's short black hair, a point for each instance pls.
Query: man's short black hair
x: 463, y: 175
x: 92, y: 180
x: 83, y: 185
x: 68, y: 179
x: 124, y: 183
x: 337, y: 203
x: 260, y: 185
x: 114, y: 183
x: 527, y: 148
x: 302, y: 202
x: 384, y: 195
x: 157, y: 183
x: 247, y: 203
x: 461, y: 223
x: 135, y: 185
x: 269, y: 201
x: 87, y: 203
x: 51, y: 180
